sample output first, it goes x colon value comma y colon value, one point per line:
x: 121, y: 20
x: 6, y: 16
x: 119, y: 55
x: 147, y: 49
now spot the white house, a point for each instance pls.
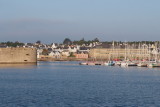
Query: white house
x: 53, y: 46
x: 55, y: 54
x: 39, y: 52
x: 72, y: 49
x: 66, y: 53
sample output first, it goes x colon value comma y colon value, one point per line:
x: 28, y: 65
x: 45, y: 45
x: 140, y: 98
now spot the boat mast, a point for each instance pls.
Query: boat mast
x: 125, y: 51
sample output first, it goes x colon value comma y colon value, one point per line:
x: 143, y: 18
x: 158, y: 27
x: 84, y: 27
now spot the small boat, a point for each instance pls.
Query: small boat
x: 142, y: 65
x: 154, y: 65
x: 83, y: 63
x: 98, y: 64
x: 131, y: 64
x: 123, y: 64
x: 118, y: 63
x: 109, y: 63
x: 128, y: 63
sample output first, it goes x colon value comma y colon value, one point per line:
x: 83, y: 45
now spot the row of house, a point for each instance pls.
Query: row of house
x: 59, y: 51
x: 62, y: 51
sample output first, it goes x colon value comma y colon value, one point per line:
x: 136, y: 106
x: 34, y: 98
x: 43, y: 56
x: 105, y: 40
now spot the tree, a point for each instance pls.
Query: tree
x: 12, y: 44
x: 82, y: 39
x: 38, y: 42
x: 45, y: 52
x: 96, y: 40
x: 67, y: 41
x: 72, y: 55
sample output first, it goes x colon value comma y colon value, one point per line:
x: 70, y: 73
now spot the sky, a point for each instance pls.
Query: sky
x: 51, y: 21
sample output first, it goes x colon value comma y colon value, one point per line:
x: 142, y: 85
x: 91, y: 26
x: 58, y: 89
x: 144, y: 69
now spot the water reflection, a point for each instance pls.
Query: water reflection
x: 20, y: 66
x: 131, y: 68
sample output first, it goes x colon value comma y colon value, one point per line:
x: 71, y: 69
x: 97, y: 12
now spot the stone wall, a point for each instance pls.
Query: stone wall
x: 18, y: 55
x: 107, y: 53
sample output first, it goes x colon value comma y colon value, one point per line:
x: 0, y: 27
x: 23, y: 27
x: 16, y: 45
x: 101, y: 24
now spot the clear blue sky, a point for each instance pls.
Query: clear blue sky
x: 53, y: 20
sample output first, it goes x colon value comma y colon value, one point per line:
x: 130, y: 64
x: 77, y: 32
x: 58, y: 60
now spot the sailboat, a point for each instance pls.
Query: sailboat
x: 124, y: 63
x: 110, y: 63
x: 143, y: 63
x: 155, y: 63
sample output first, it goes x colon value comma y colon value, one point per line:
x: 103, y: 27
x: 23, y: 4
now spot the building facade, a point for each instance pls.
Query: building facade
x: 81, y: 55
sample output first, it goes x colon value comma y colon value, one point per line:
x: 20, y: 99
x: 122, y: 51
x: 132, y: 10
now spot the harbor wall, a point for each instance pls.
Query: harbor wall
x: 107, y: 53
x: 18, y: 55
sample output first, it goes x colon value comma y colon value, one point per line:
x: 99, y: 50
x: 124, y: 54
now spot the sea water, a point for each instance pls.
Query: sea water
x: 68, y: 84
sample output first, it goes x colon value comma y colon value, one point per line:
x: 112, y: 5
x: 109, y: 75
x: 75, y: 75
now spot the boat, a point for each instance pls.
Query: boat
x: 131, y: 64
x: 128, y: 63
x: 154, y: 65
x: 118, y: 63
x: 97, y: 63
x: 83, y: 63
x: 142, y: 64
x: 109, y: 63
x: 123, y: 64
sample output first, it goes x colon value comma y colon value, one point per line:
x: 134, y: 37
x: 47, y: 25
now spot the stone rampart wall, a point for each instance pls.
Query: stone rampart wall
x: 18, y: 55
x: 106, y: 53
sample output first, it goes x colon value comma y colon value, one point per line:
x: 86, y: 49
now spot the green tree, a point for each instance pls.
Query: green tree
x: 45, y: 52
x: 38, y: 42
x: 67, y: 41
x: 13, y: 44
x: 72, y: 55
x: 96, y: 40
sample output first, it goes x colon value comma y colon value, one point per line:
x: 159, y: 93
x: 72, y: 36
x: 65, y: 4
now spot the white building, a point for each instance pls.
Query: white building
x: 55, y: 54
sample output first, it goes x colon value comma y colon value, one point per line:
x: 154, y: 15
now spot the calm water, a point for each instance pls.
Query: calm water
x: 67, y: 84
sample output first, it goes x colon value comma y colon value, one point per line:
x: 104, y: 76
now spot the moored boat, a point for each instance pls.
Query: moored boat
x: 109, y: 63
x: 131, y: 64
x: 83, y: 63
x: 123, y: 64
x: 154, y: 65
x: 142, y: 64
x: 118, y: 63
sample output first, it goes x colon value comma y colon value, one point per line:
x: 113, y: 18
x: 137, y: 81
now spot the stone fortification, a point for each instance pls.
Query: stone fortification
x: 107, y: 53
x: 18, y: 55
